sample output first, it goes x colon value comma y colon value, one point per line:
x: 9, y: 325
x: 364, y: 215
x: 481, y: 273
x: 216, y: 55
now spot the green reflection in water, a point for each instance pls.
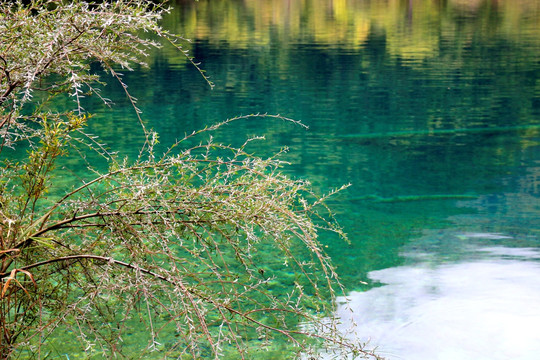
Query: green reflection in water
x: 431, y: 100
x: 431, y: 109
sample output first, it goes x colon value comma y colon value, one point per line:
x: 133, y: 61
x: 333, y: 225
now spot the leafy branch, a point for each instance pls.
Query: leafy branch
x: 207, y: 247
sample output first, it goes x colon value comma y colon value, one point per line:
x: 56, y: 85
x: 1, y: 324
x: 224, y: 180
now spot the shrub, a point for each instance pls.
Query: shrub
x: 175, y: 255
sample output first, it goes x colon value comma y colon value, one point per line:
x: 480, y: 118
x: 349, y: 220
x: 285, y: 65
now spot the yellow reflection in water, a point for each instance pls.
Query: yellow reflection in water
x: 412, y: 28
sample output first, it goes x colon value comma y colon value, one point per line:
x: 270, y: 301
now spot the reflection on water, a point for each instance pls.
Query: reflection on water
x: 412, y: 27
x: 479, y: 309
x: 430, y: 109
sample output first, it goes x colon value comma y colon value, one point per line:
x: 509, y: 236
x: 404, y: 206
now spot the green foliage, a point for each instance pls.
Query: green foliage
x: 180, y: 255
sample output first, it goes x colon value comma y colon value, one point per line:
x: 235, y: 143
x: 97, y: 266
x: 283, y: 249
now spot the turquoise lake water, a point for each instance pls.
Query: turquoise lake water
x: 430, y: 109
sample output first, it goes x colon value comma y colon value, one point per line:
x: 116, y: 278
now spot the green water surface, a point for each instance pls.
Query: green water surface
x: 430, y: 109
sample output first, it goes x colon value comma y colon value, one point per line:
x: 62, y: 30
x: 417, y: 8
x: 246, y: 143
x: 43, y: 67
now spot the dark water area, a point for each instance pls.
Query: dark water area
x: 430, y: 109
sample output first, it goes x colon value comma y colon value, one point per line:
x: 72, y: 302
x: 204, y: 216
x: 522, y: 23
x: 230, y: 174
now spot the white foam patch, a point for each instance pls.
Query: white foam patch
x: 486, y: 309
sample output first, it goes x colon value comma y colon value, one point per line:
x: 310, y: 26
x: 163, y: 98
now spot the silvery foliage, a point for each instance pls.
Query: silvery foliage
x: 204, y: 251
